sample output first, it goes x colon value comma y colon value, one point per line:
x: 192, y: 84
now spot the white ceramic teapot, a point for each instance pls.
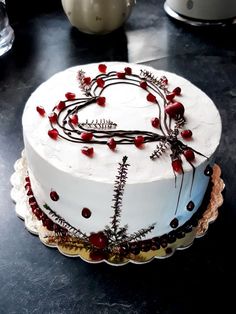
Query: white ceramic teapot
x: 97, y: 16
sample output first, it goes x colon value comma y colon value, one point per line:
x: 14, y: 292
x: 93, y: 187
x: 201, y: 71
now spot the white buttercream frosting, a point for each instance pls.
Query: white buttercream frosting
x: 151, y: 192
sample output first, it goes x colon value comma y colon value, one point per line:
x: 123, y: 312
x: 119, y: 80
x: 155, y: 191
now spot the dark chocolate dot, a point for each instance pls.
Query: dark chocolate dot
x: 174, y: 223
x: 208, y: 171
x: 168, y: 251
x: 155, y: 243
x: 171, y: 237
x: 86, y: 213
x: 64, y: 122
x: 146, y: 245
x: 164, y: 240
x: 134, y: 248
x: 190, y: 206
x: 180, y: 234
x: 188, y: 228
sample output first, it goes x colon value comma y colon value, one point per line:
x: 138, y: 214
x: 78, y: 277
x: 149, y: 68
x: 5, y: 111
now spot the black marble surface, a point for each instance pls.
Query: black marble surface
x: 36, y: 279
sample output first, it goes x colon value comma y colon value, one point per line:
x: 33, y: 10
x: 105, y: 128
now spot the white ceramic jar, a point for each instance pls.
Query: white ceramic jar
x: 97, y: 16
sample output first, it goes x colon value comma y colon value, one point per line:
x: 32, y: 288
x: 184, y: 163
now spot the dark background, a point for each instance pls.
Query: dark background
x: 36, y: 279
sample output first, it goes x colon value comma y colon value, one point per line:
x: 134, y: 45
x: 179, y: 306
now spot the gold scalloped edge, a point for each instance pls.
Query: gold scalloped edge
x: 72, y: 247
x: 216, y: 201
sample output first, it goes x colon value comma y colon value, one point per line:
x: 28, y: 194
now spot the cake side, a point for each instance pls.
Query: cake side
x: 156, y: 197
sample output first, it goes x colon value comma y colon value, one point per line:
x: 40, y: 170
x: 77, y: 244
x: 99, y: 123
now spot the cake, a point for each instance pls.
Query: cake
x: 119, y: 157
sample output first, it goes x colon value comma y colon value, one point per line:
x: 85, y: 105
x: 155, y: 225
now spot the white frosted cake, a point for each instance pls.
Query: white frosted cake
x: 119, y: 155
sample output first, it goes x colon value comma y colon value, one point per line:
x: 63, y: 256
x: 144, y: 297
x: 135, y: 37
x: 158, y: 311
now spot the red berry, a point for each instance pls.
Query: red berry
x: 40, y: 110
x: 100, y: 82
x: 86, y: 136
x: 102, y: 68
x: 61, y: 105
x: 186, y: 134
x: 143, y: 84
x: 32, y: 200
x: 87, y: 80
x: 87, y: 151
x: 54, y: 196
x: 97, y: 255
x: 70, y: 96
x: 189, y: 155
x: 164, y: 80
x: 128, y: 71
x: 177, y: 165
x: 53, y: 117
x: 155, y: 122
x: 138, y: 141
x: 151, y: 98
x: 74, y: 119
x: 170, y: 96
x: 120, y: 75
x: 27, y: 179
x: 175, y: 110
x: 101, y: 101
x: 111, y: 143
x: 86, y: 213
x: 98, y: 240
x: 27, y: 186
x: 48, y: 224
x: 53, y: 134
x: 177, y: 91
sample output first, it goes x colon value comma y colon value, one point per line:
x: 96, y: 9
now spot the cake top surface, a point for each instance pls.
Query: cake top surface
x: 110, y: 103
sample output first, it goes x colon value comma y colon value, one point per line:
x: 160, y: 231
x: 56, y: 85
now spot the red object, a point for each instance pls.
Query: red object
x: 70, y: 96
x: 87, y: 136
x: 102, y: 68
x: 175, y: 109
x: 143, y: 84
x: 186, y: 134
x: 170, y: 96
x: 53, y: 134
x: 177, y: 165
x: 61, y: 105
x: 128, y: 71
x: 98, y: 240
x: 189, y: 155
x: 53, y: 117
x: 87, y: 151
x: 74, y: 119
x: 101, y: 101
x: 87, y: 80
x: 177, y: 91
x: 155, y: 122
x: 86, y: 212
x: 100, y: 82
x: 111, y: 143
x: 54, y: 196
x: 138, y: 141
x: 120, y: 75
x: 151, y: 98
x: 40, y: 110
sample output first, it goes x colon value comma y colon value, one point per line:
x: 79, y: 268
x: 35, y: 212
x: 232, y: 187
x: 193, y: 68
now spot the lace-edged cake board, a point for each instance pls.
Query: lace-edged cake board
x: 72, y: 247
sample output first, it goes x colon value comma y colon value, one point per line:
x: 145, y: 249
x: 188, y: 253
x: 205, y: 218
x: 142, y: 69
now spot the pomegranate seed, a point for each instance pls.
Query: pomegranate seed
x: 53, y: 117
x: 174, y: 223
x: 70, y: 96
x: 102, y: 68
x: 101, y: 101
x: 54, y: 196
x: 143, y: 84
x: 48, y: 224
x: 151, y: 98
x: 87, y: 151
x: 170, y: 96
x: 87, y: 136
x: 186, y: 134
x: 32, y: 200
x: 111, y: 143
x: 87, y: 80
x: 164, y: 80
x: 100, y: 82
x: 61, y: 105
x: 40, y: 110
x: 86, y: 213
x: 177, y: 165
x: 155, y: 122
x: 30, y: 192
x: 27, y: 186
x: 98, y: 240
x: 138, y: 141
x: 53, y: 134
x: 175, y: 110
x: 120, y: 75
x: 38, y: 213
x: 177, y: 91
x: 189, y: 155
x: 34, y: 206
x: 128, y: 71
x: 74, y: 119
x: 27, y: 179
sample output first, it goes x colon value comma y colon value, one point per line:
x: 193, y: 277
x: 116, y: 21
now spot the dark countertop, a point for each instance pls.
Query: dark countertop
x: 36, y: 279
